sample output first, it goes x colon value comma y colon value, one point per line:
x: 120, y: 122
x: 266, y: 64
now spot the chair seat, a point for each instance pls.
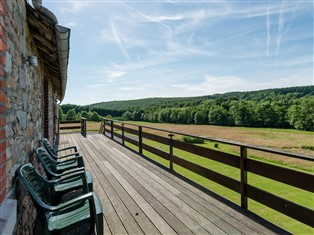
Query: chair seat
x: 75, y: 183
x: 65, y: 166
x: 62, y: 220
x: 67, y: 219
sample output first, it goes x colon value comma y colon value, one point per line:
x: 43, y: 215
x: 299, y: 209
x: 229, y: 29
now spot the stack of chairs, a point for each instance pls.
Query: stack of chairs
x: 65, y: 198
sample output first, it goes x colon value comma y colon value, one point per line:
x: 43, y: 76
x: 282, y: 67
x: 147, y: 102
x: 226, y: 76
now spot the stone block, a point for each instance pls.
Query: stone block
x: 8, y: 63
x: 22, y: 78
x: 8, y: 214
x: 21, y: 116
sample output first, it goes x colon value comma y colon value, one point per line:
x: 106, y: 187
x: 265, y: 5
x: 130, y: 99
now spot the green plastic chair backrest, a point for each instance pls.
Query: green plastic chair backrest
x: 49, y: 147
x: 39, y: 189
x: 46, y: 160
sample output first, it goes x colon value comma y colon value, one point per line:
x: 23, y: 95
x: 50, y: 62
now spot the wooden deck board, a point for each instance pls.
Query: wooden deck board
x: 116, y: 192
x: 160, y: 203
x: 139, y: 197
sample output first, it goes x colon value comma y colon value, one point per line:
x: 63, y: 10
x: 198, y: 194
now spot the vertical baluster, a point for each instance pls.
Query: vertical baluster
x: 122, y: 127
x: 140, y: 140
x: 171, y: 151
x: 244, y: 200
x: 111, y: 129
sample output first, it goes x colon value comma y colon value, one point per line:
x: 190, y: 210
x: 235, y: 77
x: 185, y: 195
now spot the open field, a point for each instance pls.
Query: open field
x: 284, y: 139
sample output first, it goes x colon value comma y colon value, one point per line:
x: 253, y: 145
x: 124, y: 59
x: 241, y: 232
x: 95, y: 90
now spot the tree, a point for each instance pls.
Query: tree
x: 84, y: 114
x: 127, y: 115
x: 71, y: 115
x: 200, y: 117
x: 242, y: 113
x: 219, y: 116
x: 78, y: 116
x: 301, y: 115
x: 164, y: 116
x: 60, y: 113
x: 183, y: 116
x: 95, y: 117
x: 173, y: 118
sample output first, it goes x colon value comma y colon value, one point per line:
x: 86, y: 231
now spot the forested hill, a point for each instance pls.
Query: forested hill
x: 283, y: 107
x: 269, y: 94
x: 146, y: 103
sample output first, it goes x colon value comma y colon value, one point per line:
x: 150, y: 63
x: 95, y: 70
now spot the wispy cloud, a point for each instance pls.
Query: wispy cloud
x: 281, y: 22
x: 75, y: 7
x: 96, y: 86
x: 115, y: 74
x: 129, y: 88
x: 145, y: 16
x: 71, y: 24
x: 267, y: 31
x: 119, y: 42
x: 215, y: 84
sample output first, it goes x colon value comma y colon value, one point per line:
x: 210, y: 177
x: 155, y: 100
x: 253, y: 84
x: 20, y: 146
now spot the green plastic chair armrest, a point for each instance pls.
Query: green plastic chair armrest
x: 79, y: 159
x: 69, y: 159
x: 74, y: 201
x: 69, y: 155
x: 67, y: 148
x: 70, y: 171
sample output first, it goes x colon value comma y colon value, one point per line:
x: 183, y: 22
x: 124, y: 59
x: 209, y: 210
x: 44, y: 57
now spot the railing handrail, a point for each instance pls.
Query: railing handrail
x: 234, y: 143
x: 82, y: 125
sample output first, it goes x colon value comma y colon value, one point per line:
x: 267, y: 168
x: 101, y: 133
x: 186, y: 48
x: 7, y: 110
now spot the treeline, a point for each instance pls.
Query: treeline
x: 90, y: 109
x: 275, y: 114
x: 71, y: 114
x: 276, y: 108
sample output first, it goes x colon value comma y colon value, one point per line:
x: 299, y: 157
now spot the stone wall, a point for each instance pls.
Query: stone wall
x: 3, y: 39
x: 24, y: 88
x: 51, y: 114
x: 21, y: 107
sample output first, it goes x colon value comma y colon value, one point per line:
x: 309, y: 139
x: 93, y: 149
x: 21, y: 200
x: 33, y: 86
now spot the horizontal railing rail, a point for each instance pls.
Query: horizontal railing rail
x: 73, y: 125
x: 138, y: 134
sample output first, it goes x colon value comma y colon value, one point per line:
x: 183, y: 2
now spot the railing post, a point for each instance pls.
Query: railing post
x: 244, y: 201
x: 102, y: 126
x: 111, y: 129
x: 122, y: 129
x: 83, y: 127
x: 105, y: 121
x: 171, y: 151
x: 140, y: 140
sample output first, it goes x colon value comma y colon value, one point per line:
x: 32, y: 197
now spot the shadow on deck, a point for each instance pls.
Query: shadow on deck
x: 139, y: 197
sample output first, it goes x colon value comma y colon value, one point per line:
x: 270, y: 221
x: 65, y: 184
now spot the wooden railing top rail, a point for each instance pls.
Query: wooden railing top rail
x: 234, y: 143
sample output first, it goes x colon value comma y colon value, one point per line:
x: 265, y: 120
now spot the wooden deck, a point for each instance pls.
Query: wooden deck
x: 138, y: 197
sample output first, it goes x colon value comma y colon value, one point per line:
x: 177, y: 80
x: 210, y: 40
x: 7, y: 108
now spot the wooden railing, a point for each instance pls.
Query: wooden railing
x: 74, y: 125
x: 136, y: 135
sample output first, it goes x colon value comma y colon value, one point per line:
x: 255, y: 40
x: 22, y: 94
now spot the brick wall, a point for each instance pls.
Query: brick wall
x: 49, y: 105
x: 3, y: 36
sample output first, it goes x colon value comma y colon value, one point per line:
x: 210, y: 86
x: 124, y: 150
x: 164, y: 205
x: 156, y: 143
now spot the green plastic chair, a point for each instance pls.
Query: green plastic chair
x: 54, y: 151
x: 63, y: 217
x: 53, y: 172
x: 60, y: 166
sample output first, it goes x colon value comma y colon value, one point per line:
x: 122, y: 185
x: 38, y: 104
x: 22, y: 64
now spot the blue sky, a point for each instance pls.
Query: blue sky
x: 124, y: 50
